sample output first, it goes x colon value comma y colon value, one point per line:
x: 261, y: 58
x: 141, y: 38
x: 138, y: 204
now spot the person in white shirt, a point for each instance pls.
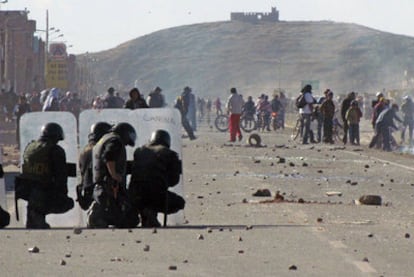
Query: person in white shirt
x: 234, y: 107
x: 306, y: 113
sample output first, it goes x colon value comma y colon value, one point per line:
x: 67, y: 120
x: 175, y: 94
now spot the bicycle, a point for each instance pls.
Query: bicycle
x: 337, y: 130
x: 247, y: 123
x: 297, y: 129
x: 222, y: 122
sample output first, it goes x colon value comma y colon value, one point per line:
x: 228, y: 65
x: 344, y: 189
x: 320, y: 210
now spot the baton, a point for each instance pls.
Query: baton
x: 16, y: 207
x: 166, y: 210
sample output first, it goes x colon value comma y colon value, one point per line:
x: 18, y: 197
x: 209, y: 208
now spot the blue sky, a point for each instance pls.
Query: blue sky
x: 96, y: 25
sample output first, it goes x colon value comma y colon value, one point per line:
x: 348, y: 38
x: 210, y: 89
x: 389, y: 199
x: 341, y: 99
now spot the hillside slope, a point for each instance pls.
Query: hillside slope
x: 256, y: 58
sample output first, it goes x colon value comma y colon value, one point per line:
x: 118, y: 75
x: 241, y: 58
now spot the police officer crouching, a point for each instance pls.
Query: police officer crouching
x: 155, y: 168
x: 43, y: 182
x: 84, y: 190
x: 111, y: 205
x: 4, y: 216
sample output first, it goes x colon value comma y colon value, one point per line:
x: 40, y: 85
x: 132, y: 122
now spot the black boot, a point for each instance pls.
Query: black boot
x: 36, y: 220
x: 4, y: 218
x: 149, y: 218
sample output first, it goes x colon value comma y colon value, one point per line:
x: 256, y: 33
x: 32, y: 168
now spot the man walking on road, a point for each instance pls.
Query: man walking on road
x: 306, y: 113
x: 234, y: 107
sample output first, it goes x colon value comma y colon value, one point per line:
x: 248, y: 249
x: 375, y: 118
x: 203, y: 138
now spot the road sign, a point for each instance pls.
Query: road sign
x: 57, y: 74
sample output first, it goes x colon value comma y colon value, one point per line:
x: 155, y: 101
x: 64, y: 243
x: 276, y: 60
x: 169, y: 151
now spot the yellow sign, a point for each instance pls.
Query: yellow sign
x: 57, y: 74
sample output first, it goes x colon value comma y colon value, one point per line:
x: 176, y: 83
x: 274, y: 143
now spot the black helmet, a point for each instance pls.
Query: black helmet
x: 52, y: 131
x: 98, y: 130
x: 126, y: 132
x: 160, y: 137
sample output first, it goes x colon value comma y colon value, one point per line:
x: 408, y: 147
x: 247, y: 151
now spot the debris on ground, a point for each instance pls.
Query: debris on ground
x: 375, y: 200
x: 34, y: 249
x: 262, y: 193
x: 333, y: 193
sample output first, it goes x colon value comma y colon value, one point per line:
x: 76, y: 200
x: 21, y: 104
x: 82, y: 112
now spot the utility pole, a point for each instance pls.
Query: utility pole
x: 46, y: 44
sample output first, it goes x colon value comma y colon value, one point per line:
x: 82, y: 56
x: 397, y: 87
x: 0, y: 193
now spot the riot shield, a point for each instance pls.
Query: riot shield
x: 3, y: 199
x: 145, y: 121
x: 30, y: 129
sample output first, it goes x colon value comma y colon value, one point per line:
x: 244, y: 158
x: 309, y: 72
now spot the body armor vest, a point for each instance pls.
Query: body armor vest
x: 36, y: 162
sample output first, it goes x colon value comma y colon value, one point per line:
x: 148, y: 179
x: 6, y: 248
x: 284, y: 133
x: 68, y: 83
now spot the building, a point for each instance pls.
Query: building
x: 22, y: 54
x: 256, y: 17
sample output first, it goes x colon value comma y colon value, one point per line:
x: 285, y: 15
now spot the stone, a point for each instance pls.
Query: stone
x: 200, y: 237
x: 293, y: 267
x: 147, y: 248
x: 333, y: 193
x: 262, y: 193
x: 172, y: 267
x: 281, y: 160
x: 34, y: 249
x: 77, y: 231
x: 407, y: 235
x: 62, y: 262
x: 370, y: 200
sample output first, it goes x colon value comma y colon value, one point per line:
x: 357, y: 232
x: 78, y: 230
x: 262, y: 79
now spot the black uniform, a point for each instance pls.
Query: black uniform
x: 85, y: 166
x: 155, y: 169
x: 111, y: 205
x: 45, y: 173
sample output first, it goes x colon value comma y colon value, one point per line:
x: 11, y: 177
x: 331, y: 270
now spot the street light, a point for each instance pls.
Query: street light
x: 54, y: 38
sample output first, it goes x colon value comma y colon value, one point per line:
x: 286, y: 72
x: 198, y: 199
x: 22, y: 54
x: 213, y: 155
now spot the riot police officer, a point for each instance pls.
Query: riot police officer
x: 84, y: 190
x: 43, y: 182
x: 111, y: 205
x: 155, y: 168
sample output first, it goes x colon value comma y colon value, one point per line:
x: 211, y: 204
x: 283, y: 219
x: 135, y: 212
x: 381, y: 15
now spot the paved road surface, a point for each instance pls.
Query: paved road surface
x: 230, y: 233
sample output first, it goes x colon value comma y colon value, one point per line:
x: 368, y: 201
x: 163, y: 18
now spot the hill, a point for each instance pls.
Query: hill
x: 257, y: 58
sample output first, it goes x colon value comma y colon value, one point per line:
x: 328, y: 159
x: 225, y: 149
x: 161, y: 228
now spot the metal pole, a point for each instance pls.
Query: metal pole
x: 46, y: 47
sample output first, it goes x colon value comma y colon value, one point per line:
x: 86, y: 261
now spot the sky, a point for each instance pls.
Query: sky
x: 96, y: 25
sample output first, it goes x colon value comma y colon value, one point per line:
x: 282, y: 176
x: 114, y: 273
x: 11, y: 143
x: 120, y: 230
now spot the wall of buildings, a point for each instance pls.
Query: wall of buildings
x: 22, y: 54
x: 256, y: 17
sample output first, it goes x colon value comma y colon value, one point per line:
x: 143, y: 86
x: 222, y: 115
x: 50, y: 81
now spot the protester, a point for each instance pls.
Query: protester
x: 249, y: 109
x: 135, y: 100
x: 190, y: 98
x: 384, y: 122
x: 51, y: 103
x: 156, y: 98
x: 217, y: 105
x: 282, y: 112
x: 155, y: 169
x: 353, y: 116
x: 327, y: 110
x: 306, y: 113
x: 180, y: 105
x: 234, y: 107
x: 346, y: 104
x: 407, y: 109
x: 110, y: 101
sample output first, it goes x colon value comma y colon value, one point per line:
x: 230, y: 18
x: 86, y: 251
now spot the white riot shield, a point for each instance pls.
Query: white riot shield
x: 145, y: 121
x: 3, y: 199
x: 30, y: 129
